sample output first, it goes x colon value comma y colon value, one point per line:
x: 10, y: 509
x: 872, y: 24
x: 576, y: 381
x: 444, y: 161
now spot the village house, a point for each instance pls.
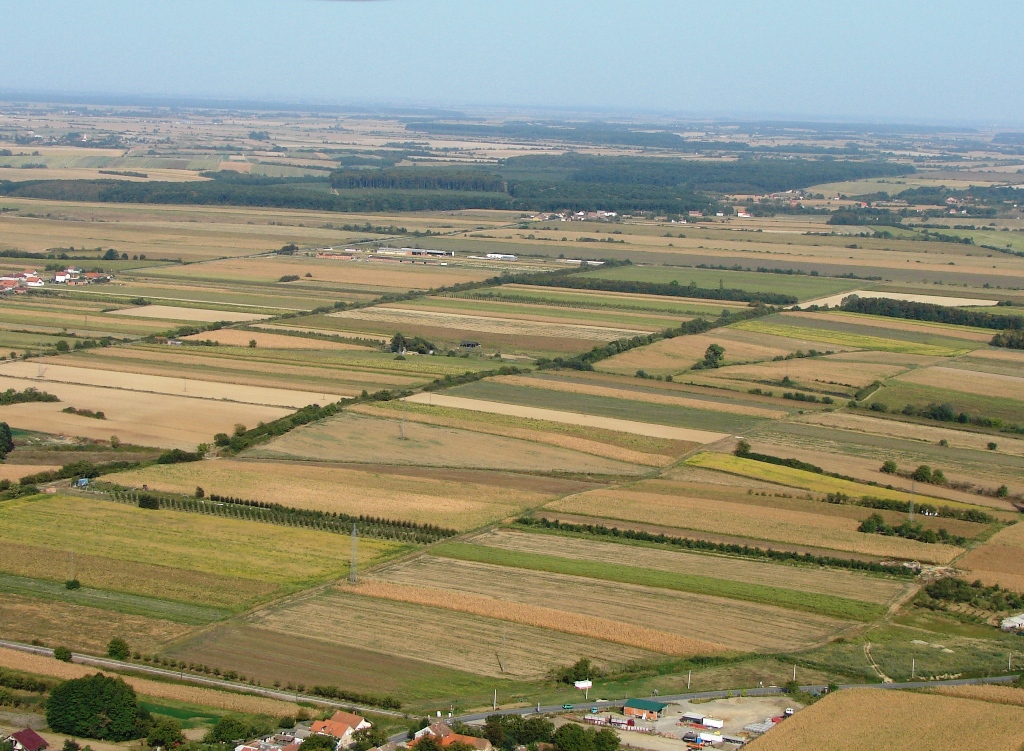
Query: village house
x: 342, y: 726
x: 27, y: 740
x: 645, y: 709
x: 445, y: 736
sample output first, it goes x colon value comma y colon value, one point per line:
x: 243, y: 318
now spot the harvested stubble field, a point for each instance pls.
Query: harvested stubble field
x: 114, y: 573
x: 636, y: 394
x: 750, y: 521
x: 540, y: 616
x: 119, y: 377
x: 204, y: 697
x: 862, y: 719
x: 926, y: 328
x: 625, y: 447
x: 462, y: 641
x: 993, y: 694
x: 968, y: 381
x: 594, y: 299
x: 459, y: 503
x: 789, y: 328
x: 370, y: 276
x: 79, y: 627
x: 352, y: 437
x: 267, y: 340
x: 855, y: 586
x: 140, y: 418
x: 752, y: 626
x: 286, y: 557
x: 172, y: 313
x: 393, y: 317
x: 670, y: 356
x: 1000, y: 560
x: 85, y: 319
x: 820, y: 373
x: 15, y: 472
x: 571, y: 418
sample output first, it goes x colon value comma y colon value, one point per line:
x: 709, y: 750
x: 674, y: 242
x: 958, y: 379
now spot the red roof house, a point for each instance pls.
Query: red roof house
x: 28, y: 740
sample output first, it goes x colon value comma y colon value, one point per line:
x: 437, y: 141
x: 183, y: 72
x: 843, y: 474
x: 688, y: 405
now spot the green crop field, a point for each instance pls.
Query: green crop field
x: 897, y: 394
x: 522, y: 294
x: 803, y: 287
x: 822, y: 604
x: 845, y: 339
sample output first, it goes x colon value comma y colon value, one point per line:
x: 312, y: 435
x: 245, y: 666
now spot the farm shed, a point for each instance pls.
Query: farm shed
x: 28, y: 740
x: 1016, y: 623
x: 644, y: 709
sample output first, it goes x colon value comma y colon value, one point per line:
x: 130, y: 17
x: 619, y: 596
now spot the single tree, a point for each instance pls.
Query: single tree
x: 118, y: 649
x: 63, y: 654
x: 714, y: 356
x: 165, y: 733
x: 96, y: 706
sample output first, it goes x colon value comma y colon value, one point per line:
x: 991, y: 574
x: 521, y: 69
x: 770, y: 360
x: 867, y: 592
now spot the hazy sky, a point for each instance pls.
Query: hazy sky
x: 919, y: 60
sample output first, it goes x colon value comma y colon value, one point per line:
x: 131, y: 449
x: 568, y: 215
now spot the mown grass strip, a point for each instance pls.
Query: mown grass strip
x: 830, y: 605
x: 861, y: 341
x: 193, y: 615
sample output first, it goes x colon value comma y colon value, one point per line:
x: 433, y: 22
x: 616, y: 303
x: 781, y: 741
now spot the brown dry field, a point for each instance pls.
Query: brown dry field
x: 15, y: 472
x: 831, y: 582
x: 584, y: 445
x: 174, y: 313
x: 450, y: 503
x: 968, y: 381
x: 900, y: 324
x: 465, y: 641
x: 352, y: 437
x: 148, y: 580
x: 84, y: 173
x: 681, y: 352
x: 1014, y: 357
x: 403, y: 276
x: 540, y: 616
x: 204, y: 697
x: 914, y: 431
x: 135, y: 417
x: 253, y: 378
x: 746, y: 520
x: 265, y: 340
x: 55, y: 372
x: 723, y: 623
x: 1000, y: 560
x: 79, y: 627
x: 868, y: 718
x: 571, y: 387
x: 817, y: 372
x: 573, y: 418
x: 486, y: 324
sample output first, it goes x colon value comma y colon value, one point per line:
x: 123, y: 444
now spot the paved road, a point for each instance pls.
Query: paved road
x: 245, y: 688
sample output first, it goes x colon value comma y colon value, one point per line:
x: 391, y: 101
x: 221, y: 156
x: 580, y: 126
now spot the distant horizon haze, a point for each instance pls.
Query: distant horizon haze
x: 914, y: 62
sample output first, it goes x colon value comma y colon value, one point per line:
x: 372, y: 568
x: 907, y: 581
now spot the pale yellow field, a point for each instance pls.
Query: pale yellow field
x: 868, y: 718
x: 1015, y: 357
x: 350, y: 437
x: 990, y: 693
x: 172, y: 313
x: 15, y: 472
x: 463, y: 641
x: 538, y: 615
x: 1000, y: 560
x: 968, y: 381
x: 900, y: 324
x: 138, y: 417
x: 53, y: 373
x: 820, y: 371
x: 748, y: 520
x: 639, y: 396
x: 833, y: 582
x: 238, y: 338
x: 572, y: 418
x: 450, y: 503
x: 539, y: 435
x: 460, y: 322
x: 732, y: 624
x: 206, y: 697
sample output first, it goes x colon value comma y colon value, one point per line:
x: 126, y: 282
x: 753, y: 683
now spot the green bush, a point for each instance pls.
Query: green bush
x: 96, y: 706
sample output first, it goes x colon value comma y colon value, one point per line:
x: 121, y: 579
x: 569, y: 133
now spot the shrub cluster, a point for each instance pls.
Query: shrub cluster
x: 974, y: 594
x: 333, y: 692
x: 10, y: 396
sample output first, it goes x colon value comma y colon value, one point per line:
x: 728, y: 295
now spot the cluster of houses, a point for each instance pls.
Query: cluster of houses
x: 20, y: 282
x: 342, y: 727
x: 577, y: 216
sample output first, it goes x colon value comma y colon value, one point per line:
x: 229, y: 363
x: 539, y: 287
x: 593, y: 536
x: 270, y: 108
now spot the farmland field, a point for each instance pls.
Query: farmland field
x: 854, y: 719
x: 358, y: 438
x: 169, y: 312
x: 802, y: 287
x: 460, y: 500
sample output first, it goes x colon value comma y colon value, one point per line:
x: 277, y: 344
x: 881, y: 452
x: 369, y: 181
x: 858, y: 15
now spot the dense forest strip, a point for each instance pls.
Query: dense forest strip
x: 670, y: 289
x: 919, y: 311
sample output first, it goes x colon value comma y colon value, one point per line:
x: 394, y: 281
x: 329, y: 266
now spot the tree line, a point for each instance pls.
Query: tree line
x: 919, y: 311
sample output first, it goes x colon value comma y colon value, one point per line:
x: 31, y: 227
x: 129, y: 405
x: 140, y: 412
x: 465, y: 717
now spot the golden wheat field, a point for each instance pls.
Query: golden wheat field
x: 734, y: 624
x: 746, y: 520
x: 381, y: 493
x: 991, y: 693
x: 866, y: 719
x: 833, y: 582
x: 463, y: 641
x: 538, y: 435
x: 267, y: 340
x: 815, y: 372
x: 173, y: 313
x: 205, y: 697
x: 968, y: 381
x: 538, y: 615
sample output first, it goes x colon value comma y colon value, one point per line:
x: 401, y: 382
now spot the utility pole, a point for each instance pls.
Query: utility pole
x: 689, y: 674
x: 494, y: 705
x: 913, y: 668
x: 355, y: 557
x: 794, y: 671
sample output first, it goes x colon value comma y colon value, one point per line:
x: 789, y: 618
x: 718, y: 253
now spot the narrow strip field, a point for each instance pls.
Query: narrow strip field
x: 173, y: 313
x: 572, y: 418
x: 860, y: 341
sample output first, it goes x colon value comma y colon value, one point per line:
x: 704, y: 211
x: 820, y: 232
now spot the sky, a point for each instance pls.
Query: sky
x: 923, y: 61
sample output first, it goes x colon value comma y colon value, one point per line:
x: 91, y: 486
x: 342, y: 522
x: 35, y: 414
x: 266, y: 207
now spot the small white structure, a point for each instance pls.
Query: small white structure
x: 1015, y: 623
x: 501, y: 257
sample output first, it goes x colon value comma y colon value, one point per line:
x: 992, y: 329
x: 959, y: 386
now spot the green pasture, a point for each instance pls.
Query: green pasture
x: 800, y: 286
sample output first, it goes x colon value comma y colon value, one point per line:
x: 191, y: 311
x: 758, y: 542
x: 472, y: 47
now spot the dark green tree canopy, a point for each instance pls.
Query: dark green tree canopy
x: 96, y: 706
